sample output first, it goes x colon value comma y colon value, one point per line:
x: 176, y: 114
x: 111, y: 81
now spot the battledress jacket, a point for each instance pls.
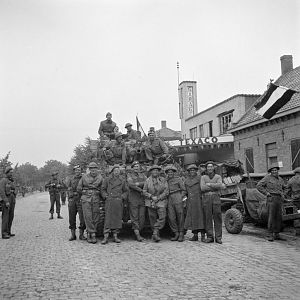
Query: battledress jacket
x: 90, y: 187
x: 136, y: 183
x: 7, y: 190
x: 114, y: 190
x: 106, y: 127
x: 177, y: 190
x: 194, y: 215
x: 156, y: 187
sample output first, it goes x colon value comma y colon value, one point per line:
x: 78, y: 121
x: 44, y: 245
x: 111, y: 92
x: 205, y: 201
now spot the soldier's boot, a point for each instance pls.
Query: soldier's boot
x: 278, y: 237
x: 155, y: 236
x: 138, y: 236
x: 116, y: 239
x: 81, y: 235
x: 93, y: 238
x: 89, y: 240
x: 194, y: 238
x: 59, y: 216
x: 203, y: 237
x: 175, y: 237
x: 181, y: 237
x: 105, y: 239
x: 51, y: 217
x: 73, y: 235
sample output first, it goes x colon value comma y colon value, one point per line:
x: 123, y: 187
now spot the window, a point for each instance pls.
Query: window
x: 193, y: 133
x: 249, y: 160
x: 271, y: 154
x: 201, y: 131
x: 208, y: 129
x: 226, y: 121
x: 295, y: 150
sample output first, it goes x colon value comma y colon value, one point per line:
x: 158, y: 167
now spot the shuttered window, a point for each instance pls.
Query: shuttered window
x: 249, y: 160
x: 295, y: 149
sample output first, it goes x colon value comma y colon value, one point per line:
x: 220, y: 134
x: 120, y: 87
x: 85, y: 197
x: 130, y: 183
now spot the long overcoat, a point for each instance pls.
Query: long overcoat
x: 114, y: 190
x: 194, y: 216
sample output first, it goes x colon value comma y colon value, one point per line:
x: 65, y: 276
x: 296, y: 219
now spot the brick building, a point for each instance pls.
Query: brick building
x: 259, y: 142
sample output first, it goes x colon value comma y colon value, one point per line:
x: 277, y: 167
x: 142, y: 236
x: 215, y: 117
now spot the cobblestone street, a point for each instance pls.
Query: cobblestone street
x: 40, y: 263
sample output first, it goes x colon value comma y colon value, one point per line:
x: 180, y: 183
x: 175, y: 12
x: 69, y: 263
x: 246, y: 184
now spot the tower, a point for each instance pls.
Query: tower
x: 187, y: 92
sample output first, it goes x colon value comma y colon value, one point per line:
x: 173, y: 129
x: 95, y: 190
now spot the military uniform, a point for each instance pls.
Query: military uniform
x: 176, y: 193
x: 273, y: 187
x: 8, y: 197
x: 157, y: 188
x: 293, y: 187
x: 75, y: 206
x: 155, y: 149
x: 90, y: 188
x: 119, y: 152
x: 212, y: 206
x: 114, y: 190
x: 136, y: 181
x: 107, y: 127
x: 54, y: 185
x: 194, y: 219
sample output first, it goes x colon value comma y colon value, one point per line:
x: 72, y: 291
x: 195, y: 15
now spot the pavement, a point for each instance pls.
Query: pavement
x: 40, y: 263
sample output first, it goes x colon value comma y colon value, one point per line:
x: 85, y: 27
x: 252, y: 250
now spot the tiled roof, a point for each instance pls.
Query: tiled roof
x: 290, y: 80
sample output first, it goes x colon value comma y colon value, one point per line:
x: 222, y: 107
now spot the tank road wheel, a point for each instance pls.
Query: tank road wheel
x: 233, y: 220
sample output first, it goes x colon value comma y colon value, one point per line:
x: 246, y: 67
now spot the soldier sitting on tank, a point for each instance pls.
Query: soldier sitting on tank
x: 155, y: 148
x: 131, y: 133
x: 108, y: 127
x: 119, y: 150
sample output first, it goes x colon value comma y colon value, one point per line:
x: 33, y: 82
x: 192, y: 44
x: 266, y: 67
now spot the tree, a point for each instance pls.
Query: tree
x: 27, y: 174
x: 4, y: 163
x: 83, y: 155
x: 51, y: 165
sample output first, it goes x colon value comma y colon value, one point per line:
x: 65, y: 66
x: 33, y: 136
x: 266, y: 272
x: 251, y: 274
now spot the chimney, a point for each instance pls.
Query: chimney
x: 163, y: 124
x: 286, y: 63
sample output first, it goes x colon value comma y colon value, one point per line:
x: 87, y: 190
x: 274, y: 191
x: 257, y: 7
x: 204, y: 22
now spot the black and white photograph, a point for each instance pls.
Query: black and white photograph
x: 149, y: 149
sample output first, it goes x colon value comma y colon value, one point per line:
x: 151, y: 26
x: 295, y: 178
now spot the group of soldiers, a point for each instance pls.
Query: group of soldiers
x: 163, y: 195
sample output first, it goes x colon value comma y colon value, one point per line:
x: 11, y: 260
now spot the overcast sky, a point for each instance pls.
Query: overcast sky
x: 65, y: 63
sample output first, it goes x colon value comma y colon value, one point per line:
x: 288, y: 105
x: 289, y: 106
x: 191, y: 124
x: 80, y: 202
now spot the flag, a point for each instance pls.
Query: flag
x: 139, y: 126
x: 275, y: 98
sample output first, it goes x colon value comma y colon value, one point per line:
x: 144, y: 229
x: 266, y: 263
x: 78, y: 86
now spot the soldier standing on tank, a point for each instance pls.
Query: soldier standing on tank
x: 119, y: 150
x: 175, y: 204
x: 8, y: 197
x: 155, y: 148
x: 90, y: 188
x: 156, y: 191
x: 136, y: 181
x: 211, y: 185
x: 74, y: 205
x: 107, y: 127
x: 194, y: 219
x: 54, y: 185
x: 114, y: 190
x: 273, y: 186
x: 293, y: 187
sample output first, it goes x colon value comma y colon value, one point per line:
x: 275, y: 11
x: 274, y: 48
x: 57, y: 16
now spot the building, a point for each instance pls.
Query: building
x: 209, y: 127
x: 259, y: 142
x: 168, y: 134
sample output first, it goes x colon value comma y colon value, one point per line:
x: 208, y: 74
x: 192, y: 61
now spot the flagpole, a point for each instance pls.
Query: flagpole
x: 178, y: 74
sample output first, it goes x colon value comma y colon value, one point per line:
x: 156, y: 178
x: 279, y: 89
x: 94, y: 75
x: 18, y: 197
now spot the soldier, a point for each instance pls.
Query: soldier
x: 74, y: 205
x: 107, y: 127
x: 136, y: 181
x: 54, y: 185
x: 156, y: 191
x: 273, y: 186
x: 211, y: 184
x: 114, y: 190
x: 293, y: 187
x: 8, y: 198
x: 131, y: 133
x: 89, y: 187
x: 194, y: 219
x: 119, y: 150
x: 155, y: 148
x: 175, y: 204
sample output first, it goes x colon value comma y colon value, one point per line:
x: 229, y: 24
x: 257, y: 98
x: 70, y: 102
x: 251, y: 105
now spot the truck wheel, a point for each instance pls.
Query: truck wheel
x: 233, y: 221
